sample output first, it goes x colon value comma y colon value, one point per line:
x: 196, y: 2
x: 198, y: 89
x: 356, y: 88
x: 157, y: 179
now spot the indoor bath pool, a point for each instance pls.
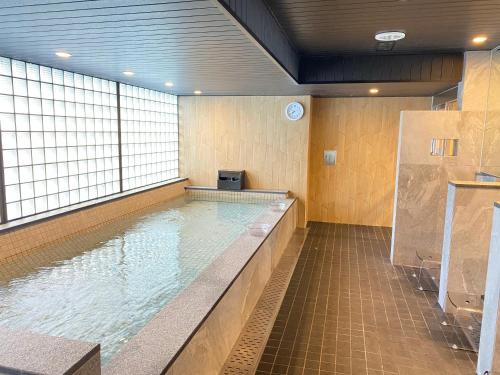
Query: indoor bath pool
x: 105, y: 285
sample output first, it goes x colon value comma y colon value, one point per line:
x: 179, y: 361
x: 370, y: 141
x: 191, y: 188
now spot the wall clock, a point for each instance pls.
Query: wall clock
x: 294, y: 111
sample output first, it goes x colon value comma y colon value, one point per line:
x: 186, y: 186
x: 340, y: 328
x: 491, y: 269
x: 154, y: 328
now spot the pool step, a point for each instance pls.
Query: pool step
x: 246, y: 353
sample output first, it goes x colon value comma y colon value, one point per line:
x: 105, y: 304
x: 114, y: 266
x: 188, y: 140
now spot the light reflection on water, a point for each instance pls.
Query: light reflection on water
x: 106, y: 285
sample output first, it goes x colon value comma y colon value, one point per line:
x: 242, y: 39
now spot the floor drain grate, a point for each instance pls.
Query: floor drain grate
x: 246, y: 353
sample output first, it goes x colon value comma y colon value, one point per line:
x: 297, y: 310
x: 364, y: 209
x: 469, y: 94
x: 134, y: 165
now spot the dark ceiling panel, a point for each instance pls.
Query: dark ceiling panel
x: 349, y: 26
x: 385, y: 68
x: 397, y: 89
x: 258, y: 20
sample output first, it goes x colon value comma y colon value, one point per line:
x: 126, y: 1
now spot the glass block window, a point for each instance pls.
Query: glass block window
x: 59, y: 137
x: 149, y: 136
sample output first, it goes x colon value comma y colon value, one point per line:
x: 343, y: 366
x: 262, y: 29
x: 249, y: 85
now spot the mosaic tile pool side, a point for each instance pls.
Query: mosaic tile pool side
x: 234, y: 196
x: 105, y: 285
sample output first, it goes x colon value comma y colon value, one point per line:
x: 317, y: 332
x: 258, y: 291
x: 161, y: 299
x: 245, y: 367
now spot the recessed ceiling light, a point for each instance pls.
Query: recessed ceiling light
x: 169, y: 84
x: 197, y: 92
x: 390, y: 36
x: 480, y: 39
x: 128, y: 73
x: 64, y: 55
x: 373, y: 91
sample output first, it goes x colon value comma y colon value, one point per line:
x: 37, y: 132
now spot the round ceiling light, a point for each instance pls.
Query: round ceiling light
x: 480, y: 39
x: 64, y: 55
x: 390, y: 36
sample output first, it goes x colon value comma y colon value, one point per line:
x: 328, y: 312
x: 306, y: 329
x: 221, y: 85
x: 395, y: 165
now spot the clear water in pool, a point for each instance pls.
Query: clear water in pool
x: 104, y: 286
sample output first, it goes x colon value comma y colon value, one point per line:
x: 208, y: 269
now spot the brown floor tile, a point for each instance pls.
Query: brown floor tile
x: 349, y: 311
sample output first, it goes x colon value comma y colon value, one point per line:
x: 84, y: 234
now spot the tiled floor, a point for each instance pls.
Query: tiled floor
x: 349, y: 311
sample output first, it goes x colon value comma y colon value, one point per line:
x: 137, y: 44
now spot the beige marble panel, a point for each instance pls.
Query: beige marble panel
x: 475, y: 80
x: 27, y: 239
x: 420, y: 210
x: 421, y: 184
x: 467, y: 232
x: 91, y: 367
x: 250, y: 133
x: 489, y: 350
x: 284, y: 233
x: 418, y: 128
x: 491, y: 150
x: 207, y: 350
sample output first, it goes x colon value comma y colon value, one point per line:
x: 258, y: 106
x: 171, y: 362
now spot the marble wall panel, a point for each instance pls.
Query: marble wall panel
x: 421, y: 182
x: 491, y: 147
x: 91, y: 367
x: 489, y: 350
x: 467, y: 233
x: 475, y: 81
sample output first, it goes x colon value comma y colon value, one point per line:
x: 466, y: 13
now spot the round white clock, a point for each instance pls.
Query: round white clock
x: 294, y: 111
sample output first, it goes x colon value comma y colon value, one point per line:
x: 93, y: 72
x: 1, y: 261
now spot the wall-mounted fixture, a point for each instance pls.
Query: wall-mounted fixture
x: 231, y: 180
x: 330, y: 157
x: 444, y: 147
x: 294, y: 111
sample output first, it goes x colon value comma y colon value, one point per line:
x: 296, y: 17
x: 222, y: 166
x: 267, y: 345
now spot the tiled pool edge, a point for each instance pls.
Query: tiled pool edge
x: 248, y: 195
x: 196, y: 331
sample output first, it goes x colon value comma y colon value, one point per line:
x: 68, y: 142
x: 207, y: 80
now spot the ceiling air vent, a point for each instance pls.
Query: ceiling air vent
x: 385, y: 46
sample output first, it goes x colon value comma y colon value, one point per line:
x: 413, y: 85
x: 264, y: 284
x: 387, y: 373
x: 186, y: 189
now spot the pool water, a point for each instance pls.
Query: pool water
x: 104, y: 286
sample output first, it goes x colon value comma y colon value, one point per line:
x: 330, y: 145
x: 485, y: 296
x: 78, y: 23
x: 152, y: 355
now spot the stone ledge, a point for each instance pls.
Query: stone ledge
x: 475, y: 184
x: 23, y: 352
x: 261, y: 191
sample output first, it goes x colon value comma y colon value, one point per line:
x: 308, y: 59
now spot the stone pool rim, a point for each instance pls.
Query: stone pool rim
x: 163, y: 362
x: 215, y: 189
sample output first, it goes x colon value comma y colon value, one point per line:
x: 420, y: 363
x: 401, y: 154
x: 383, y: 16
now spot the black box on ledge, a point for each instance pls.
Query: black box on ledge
x: 231, y: 180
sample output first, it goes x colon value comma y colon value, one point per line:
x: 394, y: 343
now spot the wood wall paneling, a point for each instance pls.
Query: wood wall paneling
x: 250, y: 133
x: 359, y: 189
